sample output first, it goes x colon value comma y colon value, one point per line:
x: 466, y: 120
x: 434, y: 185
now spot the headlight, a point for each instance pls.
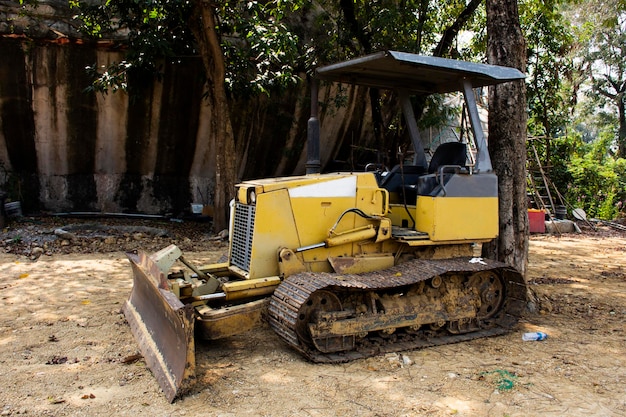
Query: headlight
x: 251, y: 197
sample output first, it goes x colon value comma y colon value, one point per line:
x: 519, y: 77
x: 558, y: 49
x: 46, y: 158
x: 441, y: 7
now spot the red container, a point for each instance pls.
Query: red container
x: 536, y: 221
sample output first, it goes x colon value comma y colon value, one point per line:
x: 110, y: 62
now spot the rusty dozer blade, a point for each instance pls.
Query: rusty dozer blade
x: 162, y: 326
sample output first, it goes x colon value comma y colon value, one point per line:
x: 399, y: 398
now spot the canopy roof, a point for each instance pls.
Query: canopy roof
x: 416, y: 73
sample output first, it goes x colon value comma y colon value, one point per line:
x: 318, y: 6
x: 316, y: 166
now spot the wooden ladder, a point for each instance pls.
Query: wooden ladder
x: 539, y: 185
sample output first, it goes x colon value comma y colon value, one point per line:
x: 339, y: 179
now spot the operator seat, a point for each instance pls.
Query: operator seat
x: 406, y: 183
x: 449, y: 153
x: 395, y: 180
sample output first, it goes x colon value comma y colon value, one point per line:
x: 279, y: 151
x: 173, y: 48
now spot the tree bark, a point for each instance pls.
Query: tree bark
x: 507, y: 134
x: 203, y: 26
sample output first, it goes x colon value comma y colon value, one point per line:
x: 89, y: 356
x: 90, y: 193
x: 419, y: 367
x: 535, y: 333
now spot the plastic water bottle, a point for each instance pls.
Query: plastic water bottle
x: 534, y: 336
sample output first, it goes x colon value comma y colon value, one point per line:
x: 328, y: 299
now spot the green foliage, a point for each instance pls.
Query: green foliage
x: 574, y: 48
x: 576, y: 72
x: 596, y: 178
x: 549, y: 42
x: 266, y: 44
x: 602, y: 53
x: 260, y: 50
x: 154, y: 31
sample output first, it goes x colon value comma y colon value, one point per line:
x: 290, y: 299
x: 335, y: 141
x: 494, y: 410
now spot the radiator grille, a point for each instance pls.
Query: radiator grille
x: 243, y: 231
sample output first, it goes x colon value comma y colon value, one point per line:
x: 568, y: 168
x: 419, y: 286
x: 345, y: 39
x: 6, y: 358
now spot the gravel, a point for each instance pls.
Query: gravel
x: 40, y: 236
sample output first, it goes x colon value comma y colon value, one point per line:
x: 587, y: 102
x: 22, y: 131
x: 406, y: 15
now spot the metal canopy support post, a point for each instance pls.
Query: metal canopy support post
x: 313, y: 164
x: 420, y: 156
x: 483, y: 162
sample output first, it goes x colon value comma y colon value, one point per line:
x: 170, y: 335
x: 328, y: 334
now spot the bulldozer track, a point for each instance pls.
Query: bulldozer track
x: 293, y: 294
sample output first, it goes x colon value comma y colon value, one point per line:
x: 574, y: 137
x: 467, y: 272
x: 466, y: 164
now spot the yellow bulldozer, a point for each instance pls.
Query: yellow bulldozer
x: 346, y: 265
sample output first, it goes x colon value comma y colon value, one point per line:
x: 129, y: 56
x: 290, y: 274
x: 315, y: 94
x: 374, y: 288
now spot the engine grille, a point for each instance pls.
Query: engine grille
x: 243, y: 232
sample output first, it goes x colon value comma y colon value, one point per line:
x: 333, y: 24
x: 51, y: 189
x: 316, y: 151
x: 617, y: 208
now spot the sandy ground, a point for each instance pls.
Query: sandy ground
x: 64, y: 343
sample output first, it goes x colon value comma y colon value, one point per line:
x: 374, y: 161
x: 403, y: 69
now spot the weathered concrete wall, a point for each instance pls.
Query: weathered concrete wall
x: 64, y: 149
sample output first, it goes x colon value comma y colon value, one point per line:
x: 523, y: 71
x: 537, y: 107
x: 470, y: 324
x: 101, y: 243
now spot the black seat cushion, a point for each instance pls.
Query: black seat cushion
x: 449, y: 153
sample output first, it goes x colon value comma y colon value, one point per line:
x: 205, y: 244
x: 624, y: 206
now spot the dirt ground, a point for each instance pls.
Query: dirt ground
x: 64, y: 342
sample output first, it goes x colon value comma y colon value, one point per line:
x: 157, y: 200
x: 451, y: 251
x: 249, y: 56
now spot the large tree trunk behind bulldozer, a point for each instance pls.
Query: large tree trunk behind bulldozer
x: 507, y: 136
x: 220, y: 134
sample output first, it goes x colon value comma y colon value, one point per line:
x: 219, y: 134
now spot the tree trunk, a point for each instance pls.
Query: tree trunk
x: 507, y: 134
x: 203, y: 24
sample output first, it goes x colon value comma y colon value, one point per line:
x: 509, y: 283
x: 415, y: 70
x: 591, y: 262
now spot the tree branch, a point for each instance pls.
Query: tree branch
x: 444, y: 47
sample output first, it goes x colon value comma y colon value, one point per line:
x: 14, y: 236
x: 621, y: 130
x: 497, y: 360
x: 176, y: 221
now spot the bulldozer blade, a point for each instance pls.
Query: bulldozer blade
x: 162, y: 326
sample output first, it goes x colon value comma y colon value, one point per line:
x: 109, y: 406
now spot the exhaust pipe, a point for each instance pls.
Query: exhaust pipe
x: 313, y: 165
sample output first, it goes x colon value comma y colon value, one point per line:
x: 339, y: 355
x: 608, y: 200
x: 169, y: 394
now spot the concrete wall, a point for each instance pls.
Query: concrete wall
x: 64, y: 149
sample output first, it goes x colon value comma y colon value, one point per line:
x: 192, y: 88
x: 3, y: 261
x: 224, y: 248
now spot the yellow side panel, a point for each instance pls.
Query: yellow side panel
x: 457, y: 218
x: 275, y: 227
x: 399, y: 215
x: 301, y: 214
x: 317, y: 208
x: 315, y: 216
